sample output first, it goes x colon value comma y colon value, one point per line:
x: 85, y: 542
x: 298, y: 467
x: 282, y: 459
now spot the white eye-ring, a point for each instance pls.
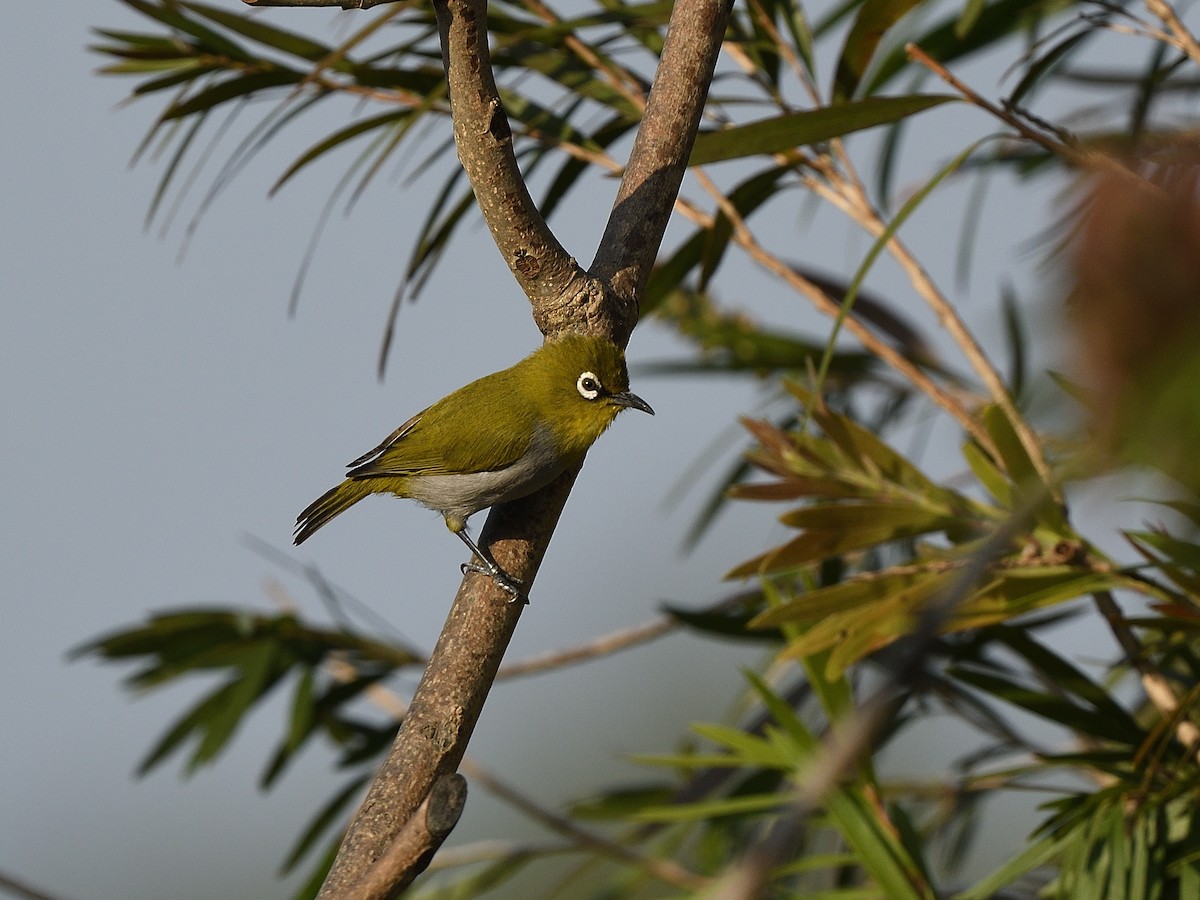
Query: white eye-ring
x: 588, y: 386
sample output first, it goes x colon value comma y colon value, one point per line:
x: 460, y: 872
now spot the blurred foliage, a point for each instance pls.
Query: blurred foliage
x: 874, y: 541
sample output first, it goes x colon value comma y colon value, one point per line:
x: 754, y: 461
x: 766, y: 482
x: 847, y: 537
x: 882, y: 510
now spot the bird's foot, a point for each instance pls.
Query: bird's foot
x: 512, y: 586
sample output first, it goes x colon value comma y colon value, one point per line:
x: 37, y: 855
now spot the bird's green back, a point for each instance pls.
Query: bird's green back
x: 490, y: 423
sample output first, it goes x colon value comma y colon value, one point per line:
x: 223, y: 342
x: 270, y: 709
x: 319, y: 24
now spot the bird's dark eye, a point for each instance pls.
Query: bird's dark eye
x: 588, y: 386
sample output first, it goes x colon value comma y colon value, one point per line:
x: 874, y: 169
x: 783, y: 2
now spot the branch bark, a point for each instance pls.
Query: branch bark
x: 661, y: 149
x: 543, y: 269
x: 463, y: 665
x: 413, y: 848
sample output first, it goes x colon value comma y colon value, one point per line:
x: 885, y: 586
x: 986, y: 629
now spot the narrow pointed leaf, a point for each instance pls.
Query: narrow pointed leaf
x: 325, y: 817
x: 338, y: 138
x: 258, y: 29
x: 946, y: 41
x: 238, y: 88
x: 210, y: 39
x: 874, y: 19
x: 793, y: 130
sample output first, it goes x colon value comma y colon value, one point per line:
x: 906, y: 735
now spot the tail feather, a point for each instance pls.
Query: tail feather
x: 332, y: 503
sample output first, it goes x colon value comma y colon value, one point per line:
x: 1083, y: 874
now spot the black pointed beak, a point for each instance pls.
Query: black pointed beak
x: 632, y: 400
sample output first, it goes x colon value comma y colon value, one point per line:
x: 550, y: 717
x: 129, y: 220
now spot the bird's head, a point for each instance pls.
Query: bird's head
x: 581, y: 383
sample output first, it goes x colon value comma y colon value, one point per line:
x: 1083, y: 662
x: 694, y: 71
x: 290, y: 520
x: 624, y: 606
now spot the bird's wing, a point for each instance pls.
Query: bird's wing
x: 416, y: 448
x: 387, y: 442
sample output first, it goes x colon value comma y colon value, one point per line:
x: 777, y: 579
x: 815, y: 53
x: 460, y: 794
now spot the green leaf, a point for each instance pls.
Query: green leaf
x: 729, y: 622
x: 792, y: 130
x: 1034, y: 856
x: 319, y: 149
x: 237, y: 88
x: 968, y: 18
x: 327, y: 816
x: 1015, y: 591
x: 879, y: 851
x: 191, y: 723
x: 257, y: 29
x: 854, y: 593
x: 946, y: 41
x: 874, y: 19
x: 1045, y: 64
x: 621, y: 803
x: 896, y: 520
x: 746, y: 197
x: 712, y: 809
x: 301, y: 725
x: 750, y: 749
x: 1054, y: 708
x: 179, y: 75
x: 801, y: 34
x: 258, y: 675
x: 988, y: 474
x: 210, y: 40
x: 782, y: 713
x: 865, y: 450
x: 1057, y: 670
x: 1020, y: 467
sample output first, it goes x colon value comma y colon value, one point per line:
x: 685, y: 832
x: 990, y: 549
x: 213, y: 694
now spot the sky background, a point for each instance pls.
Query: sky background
x: 163, y: 414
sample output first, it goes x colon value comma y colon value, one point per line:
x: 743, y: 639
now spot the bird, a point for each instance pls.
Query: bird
x: 496, y: 439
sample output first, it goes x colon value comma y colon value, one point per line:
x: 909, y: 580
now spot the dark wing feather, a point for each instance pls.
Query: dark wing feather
x: 387, y: 442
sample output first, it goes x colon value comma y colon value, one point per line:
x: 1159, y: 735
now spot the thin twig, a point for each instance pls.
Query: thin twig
x: 665, y: 870
x: 1060, y: 144
x: 618, y: 78
x: 603, y: 645
x: 744, y: 238
x: 1154, y: 683
x: 1179, y: 35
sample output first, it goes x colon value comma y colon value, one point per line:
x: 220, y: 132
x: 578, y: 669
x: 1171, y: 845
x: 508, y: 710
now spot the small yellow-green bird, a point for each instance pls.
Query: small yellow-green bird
x: 494, y: 440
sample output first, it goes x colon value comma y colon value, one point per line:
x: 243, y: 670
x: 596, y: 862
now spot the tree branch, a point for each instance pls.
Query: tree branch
x: 660, y: 152
x: 450, y: 696
x: 543, y: 269
x: 413, y: 848
x: 463, y: 665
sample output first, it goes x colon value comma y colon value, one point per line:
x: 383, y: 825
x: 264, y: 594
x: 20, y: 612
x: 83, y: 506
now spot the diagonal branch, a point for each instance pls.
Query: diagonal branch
x: 661, y: 150
x: 463, y: 665
x: 543, y: 269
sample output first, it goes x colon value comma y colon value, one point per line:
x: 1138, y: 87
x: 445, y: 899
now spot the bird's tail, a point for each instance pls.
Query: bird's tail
x: 331, y: 503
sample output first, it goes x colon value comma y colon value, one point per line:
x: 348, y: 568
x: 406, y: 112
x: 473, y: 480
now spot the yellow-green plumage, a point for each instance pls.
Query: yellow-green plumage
x: 494, y: 440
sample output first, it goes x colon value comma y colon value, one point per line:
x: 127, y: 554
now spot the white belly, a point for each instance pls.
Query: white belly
x: 458, y: 496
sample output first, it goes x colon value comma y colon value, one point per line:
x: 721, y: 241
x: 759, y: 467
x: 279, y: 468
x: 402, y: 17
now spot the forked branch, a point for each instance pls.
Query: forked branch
x: 463, y: 665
